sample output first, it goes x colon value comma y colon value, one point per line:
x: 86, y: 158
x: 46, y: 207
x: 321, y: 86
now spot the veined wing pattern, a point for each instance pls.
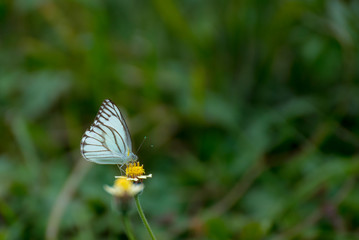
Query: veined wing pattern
x: 108, y: 140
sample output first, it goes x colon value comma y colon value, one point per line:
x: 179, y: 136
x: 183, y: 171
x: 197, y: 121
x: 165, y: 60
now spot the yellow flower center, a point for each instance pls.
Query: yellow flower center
x: 123, y: 183
x: 134, y: 170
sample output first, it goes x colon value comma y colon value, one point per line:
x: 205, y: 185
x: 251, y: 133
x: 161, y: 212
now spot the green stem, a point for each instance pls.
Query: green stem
x: 142, y: 215
x: 128, y: 228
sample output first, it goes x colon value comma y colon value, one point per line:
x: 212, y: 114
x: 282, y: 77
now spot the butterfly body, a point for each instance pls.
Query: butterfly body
x: 108, y: 140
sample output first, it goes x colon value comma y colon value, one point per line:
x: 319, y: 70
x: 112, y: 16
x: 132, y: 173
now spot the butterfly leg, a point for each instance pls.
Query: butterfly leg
x: 121, y: 169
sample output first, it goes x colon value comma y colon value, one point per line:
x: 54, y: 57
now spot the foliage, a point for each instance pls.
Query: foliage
x: 250, y: 109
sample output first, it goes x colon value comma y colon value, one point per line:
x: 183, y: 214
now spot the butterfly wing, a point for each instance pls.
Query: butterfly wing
x: 108, y: 140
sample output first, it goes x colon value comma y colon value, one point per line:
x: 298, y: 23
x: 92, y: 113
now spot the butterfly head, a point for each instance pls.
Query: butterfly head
x: 131, y: 156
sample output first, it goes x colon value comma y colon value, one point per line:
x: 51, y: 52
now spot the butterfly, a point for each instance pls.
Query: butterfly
x: 108, y: 140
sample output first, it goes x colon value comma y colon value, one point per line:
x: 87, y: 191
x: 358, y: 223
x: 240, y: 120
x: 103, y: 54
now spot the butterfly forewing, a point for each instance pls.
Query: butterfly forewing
x: 108, y: 140
x: 112, y: 110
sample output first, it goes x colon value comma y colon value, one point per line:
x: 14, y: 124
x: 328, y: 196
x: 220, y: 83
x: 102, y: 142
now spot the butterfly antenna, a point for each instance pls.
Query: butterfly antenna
x: 141, y: 144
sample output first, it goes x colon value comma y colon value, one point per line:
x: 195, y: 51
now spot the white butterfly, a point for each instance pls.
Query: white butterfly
x: 108, y: 140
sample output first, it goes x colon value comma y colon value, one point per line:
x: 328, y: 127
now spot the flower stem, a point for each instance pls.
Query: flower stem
x: 128, y: 228
x: 142, y: 215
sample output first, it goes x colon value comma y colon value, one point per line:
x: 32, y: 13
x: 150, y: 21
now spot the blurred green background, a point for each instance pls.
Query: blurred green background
x: 250, y: 109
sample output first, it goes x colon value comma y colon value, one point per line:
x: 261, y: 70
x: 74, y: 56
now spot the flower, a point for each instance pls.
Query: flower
x: 135, y: 172
x: 127, y: 188
x: 131, y: 184
x: 123, y: 187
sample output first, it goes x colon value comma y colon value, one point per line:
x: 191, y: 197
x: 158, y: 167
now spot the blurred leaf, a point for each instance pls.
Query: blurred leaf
x: 41, y: 90
x: 217, y: 229
x: 252, y: 231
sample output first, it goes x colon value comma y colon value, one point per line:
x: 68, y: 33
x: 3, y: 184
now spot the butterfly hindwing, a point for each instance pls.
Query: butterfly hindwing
x: 108, y: 140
